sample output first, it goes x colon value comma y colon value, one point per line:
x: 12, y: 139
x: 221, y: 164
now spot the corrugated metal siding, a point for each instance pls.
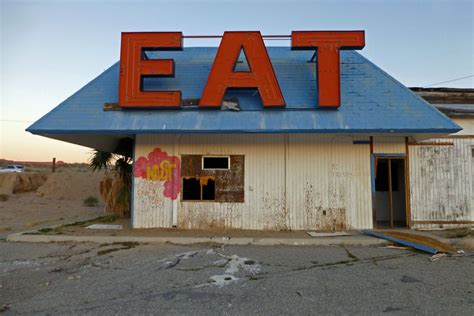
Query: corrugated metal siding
x: 290, y: 181
x: 328, y: 175
x: 151, y: 208
x: 389, y: 145
x: 441, y: 181
x: 264, y: 183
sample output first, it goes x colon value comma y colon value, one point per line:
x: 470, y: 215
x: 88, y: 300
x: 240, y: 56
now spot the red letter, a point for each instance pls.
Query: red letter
x: 260, y: 76
x: 134, y: 66
x: 328, y: 44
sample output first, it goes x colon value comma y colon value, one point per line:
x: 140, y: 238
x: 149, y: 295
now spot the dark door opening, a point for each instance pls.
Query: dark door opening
x: 390, y: 199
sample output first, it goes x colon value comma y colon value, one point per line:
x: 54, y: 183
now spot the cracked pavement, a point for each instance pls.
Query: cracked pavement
x: 129, y: 278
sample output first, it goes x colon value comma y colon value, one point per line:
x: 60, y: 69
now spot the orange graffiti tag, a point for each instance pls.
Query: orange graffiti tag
x: 161, y: 173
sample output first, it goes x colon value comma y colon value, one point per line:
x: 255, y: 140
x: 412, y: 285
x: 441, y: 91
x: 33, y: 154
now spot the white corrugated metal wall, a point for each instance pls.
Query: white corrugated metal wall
x: 389, y: 145
x: 328, y: 175
x: 441, y: 182
x: 291, y: 182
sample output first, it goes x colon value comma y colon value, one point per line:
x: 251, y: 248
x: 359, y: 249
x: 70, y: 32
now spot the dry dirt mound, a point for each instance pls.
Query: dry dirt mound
x: 71, y: 185
x: 21, y: 182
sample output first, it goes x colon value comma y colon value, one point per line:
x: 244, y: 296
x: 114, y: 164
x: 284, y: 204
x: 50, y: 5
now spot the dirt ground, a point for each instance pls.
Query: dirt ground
x: 58, y: 200
x: 28, y: 211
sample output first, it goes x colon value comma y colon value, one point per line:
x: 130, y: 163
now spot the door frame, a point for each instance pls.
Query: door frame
x: 373, y: 160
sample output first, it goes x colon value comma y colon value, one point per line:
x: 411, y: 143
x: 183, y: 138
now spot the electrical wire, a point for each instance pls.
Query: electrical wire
x: 456, y: 79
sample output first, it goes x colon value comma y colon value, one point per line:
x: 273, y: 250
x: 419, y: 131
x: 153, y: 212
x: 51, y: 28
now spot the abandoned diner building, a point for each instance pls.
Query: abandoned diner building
x: 243, y: 136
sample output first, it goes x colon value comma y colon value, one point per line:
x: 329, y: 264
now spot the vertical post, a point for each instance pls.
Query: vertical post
x: 407, y: 185
x: 390, y: 194
x: 54, y: 165
x: 373, y: 175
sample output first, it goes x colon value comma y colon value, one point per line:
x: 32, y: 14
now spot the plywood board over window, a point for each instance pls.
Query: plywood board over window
x: 228, y: 183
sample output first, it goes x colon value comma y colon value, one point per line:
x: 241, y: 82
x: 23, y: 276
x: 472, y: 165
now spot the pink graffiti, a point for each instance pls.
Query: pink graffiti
x: 160, y: 167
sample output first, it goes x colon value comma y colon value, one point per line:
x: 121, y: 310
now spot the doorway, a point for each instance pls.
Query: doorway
x: 390, y: 194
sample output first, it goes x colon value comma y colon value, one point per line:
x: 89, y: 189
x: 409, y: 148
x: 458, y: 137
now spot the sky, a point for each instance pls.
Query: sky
x: 50, y: 49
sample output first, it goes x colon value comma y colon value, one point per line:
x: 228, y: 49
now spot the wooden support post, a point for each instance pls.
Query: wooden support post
x: 54, y: 165
x: 374, y: 174
x: 407, y: 184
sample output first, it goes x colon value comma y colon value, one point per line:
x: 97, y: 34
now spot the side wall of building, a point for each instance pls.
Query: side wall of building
x: 442, y: 181
x: 290, y: 182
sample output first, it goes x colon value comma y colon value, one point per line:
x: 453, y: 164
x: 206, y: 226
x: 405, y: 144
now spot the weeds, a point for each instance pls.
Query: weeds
x: 59, y: 230
x: 91, y: 201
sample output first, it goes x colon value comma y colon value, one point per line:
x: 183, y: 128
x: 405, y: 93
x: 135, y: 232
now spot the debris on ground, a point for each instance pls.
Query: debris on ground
x: 419, y: 242
x: 328, y: 234
x: 438, y: 256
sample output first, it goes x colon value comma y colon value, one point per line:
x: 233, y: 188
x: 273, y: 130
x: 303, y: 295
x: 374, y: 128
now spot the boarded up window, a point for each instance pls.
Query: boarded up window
x: 227, y: 185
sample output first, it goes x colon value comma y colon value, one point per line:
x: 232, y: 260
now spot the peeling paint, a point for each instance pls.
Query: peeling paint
x: 441, y: 182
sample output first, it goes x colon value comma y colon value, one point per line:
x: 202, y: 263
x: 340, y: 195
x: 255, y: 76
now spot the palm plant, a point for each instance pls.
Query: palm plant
x: 116, y: 186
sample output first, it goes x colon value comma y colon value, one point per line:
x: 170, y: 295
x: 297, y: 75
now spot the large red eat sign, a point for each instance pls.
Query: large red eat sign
x: 134, y: 67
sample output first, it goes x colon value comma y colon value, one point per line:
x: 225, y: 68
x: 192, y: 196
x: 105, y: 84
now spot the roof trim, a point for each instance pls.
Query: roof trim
x: 280, y: 131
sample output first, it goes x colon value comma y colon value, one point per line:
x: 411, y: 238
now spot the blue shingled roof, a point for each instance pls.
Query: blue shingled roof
x: 371, y: 102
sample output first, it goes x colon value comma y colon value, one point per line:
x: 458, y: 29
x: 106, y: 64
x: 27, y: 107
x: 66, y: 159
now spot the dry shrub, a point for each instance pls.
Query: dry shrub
x: 91, y: 201
x: 116, y: 195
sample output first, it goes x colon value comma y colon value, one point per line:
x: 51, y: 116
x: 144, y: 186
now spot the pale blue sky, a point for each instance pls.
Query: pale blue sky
x: 50, y: 49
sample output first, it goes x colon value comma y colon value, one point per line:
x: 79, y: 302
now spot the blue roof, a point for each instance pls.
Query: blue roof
x: 371, y: 102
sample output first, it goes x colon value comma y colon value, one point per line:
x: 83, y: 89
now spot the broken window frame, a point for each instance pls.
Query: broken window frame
x: 201, y: 189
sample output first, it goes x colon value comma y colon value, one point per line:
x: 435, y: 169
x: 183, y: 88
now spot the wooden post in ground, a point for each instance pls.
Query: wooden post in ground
x: 54, y: 165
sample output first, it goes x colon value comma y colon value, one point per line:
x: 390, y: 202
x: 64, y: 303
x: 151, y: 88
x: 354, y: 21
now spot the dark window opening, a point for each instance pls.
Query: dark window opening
x: 199, y: 189
x: 209, y: 190
x: 215, y: 163
x: 191, y: 189
x: 381, y: 179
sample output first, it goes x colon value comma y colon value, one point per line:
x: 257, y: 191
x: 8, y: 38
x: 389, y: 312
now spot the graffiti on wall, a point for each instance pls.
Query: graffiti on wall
x: 160, y: 167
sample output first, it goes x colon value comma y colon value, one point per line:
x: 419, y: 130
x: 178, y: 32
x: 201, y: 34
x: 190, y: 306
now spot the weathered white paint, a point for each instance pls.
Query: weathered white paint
x: 389, y: 145
x: 328, y: 175
x: 441, y: 181
x: 291, y: 181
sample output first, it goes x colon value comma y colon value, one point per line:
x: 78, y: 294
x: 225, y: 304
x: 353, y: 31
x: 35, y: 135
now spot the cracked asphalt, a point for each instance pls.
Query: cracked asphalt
x: 68, y: 278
